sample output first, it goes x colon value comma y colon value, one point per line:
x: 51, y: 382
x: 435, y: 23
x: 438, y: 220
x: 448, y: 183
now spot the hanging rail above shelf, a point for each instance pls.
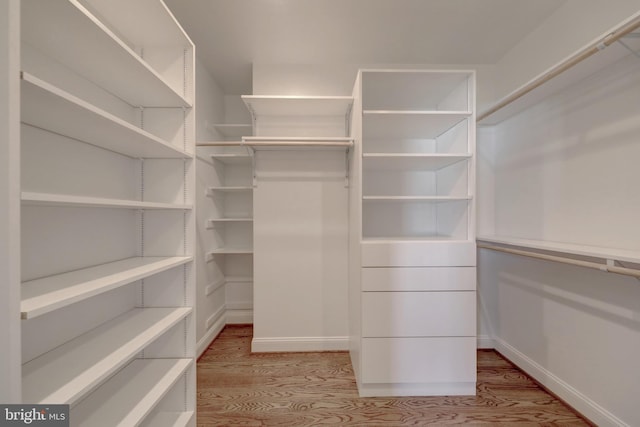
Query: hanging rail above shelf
x: 609, y: 267
x: 623, y: 30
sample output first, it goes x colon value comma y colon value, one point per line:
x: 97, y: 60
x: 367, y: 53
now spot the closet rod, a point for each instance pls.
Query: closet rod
x: 587, y: 264
x: 583, y: 54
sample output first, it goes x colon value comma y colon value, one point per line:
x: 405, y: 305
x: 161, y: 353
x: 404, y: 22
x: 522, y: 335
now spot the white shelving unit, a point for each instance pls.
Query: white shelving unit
x: 413, y: 219
x: 233, y: 131
x: 107, y: 197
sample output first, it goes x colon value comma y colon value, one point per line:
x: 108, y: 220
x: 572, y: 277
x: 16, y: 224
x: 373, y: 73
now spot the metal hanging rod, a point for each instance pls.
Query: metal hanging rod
x: 609, y: 267
x: 578, y: 57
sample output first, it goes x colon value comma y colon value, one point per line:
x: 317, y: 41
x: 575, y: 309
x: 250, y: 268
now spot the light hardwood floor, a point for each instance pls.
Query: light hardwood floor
x: 236, y: 387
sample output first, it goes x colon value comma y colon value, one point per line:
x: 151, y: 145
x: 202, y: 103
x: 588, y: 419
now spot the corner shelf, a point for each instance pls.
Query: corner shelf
x: 77, y: 367
x: 41, y: 296
x: 86, y: 45
x: 410, y: 124
x: 65, y: 200
x: 411, y: 161
x: 48, y: 107
x: 231, y: 251
x: 231, y: 189
x: 131, y: 395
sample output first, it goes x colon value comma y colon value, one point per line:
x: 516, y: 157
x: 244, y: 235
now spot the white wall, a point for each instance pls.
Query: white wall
x: 566, y: 170
x: 10, y: 380
x: 574, y: 25
x: 209, y: 109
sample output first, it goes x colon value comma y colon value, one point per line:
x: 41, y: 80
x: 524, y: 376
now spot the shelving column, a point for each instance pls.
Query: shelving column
x: 413, y: 289
x: 108, y: 228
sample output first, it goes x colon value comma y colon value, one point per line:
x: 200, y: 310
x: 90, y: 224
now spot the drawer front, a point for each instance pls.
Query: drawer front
x: 419, y: 314
x: 419, y: 279
x: 418, y: 360
x: 419, y: 254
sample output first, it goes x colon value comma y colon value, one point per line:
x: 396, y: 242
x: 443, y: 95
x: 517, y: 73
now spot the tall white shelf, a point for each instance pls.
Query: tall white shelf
x: 412, y: 233
x: 108, y: 228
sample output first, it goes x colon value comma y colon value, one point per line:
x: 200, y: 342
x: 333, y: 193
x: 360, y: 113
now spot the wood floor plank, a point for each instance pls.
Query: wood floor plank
x: 238, y: 388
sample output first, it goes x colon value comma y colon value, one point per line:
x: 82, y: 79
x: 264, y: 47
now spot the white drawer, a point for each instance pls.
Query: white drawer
x: 419, y: 279
x: 418, y: 360
x: 418, y: 314
x: 421, y: 253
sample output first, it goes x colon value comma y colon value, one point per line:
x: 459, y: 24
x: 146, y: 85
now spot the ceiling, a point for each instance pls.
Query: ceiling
x: 230, y: 35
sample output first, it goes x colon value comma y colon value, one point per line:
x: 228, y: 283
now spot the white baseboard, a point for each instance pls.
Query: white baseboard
x: 485, y: 342
x: 211, y: 333
x: 239, y: 317
x: 417, y: 389
x: 581, y: 403
x: 278, y: 344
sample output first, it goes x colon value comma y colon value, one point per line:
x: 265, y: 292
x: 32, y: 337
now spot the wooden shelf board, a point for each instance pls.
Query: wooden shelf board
x: 132, y: 394
x: 44, y: 295
x: 169, y: 419
x: 86, y: 45
x: 48, y: 107
x: 231, y: 220
x: 62, y: 200
x: 410, y: 124
x: 75, y: 368
x: 623, y: 255
x: 427, y: 239
x: 231, y: 251
x: 298, y: 105
x: 401, y: 161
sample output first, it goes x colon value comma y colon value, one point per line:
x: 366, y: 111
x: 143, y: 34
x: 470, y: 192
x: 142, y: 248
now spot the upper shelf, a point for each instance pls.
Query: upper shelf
x: 48, y: 107
x: 413, y: 161
x: 565, y: 248
x: 233, y: 158
x: 298, y: 105
x: 410, y: 124
x: 89, y: 47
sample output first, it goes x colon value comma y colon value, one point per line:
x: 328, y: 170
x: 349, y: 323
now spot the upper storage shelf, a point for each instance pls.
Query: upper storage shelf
x: 410, y: 124
x: 416, y: 90
x: 87, y: 45
x: 48, y: 107
x: 298, y: 105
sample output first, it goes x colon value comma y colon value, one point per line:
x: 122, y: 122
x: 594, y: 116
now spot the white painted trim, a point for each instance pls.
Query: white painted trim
x: 417, y: 389
x: 486, y: 342
x: 259, y: 345
x: 211, y: 334
x: 239, y: 317
x: 240, y: 305
x: 581, y: 403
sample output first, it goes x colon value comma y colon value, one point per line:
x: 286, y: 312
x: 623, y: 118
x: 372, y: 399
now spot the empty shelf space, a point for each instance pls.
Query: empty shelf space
x: 229, y: 251
x: 48, y: 199
x: 169, y: 419
x: 434, y: 199
x: 233, y: 159
x: 67, y: 373
x: 425, y: 238
x: 89, y: 47
x: 214, y: 221
x: 132, y: 394
x: 48, y: 107
x: 411, y: 161
x: 44, y: 295
x: 233, y: 130
x: 623, y: 255
x: 298, y: 105
x: 410, y: 124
